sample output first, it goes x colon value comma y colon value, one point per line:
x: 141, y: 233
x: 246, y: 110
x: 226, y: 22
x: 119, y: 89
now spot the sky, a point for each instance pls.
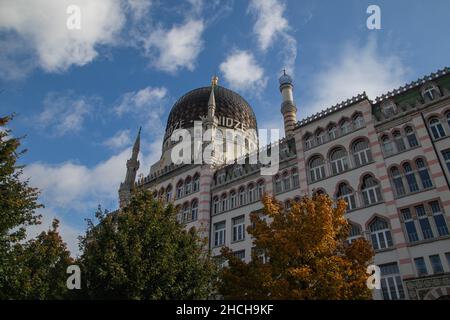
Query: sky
x: 80, y: 95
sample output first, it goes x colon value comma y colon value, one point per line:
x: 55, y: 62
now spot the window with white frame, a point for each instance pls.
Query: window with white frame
x: 391, y: 282
x: 239, y: 254
x: 387, y: 145
x: 421, y: 266
x: 261, y: 189
x: 346, y: 193
x: 316, y: 168
x: 188, y: 185
x: 436, y: 264
x: 169, y: 193
x: 358, y: 121
x: 370, y: 191
x: 194, y: 210
x: 251, y: 193
x: 355, y: 232
x: 338, y: 160
x: 238, y: 231
x: 295, y: 178
x: 410, y: 177
x: 410, y: 225
x: 216, y: 204
x: 431, y: 92
x: 242, y: 197
x: 332, y: 132
x: 186, y: 212
x: 219, y: 233
x: 397, y: 181
x: 439, y: 218
x: 446, y: 155
x: 320, y: 137
x: 180, y: 190
x: 233, y: 199
x: 380, y: 234
x: 437, y: 130
x: 399, y: 142
x: 361, y: 152
x: 308, y: 140
x: 424, y: 174
x: 411, y: 137
x: 286, y: 181
x: 278, y: 187
x: 224, y: 203
x: 196, y: 183
x: 346, y: 127
x: 424, y: 222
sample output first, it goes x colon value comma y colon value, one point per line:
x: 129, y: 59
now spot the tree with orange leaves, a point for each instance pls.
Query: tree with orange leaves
x: 305, y: 255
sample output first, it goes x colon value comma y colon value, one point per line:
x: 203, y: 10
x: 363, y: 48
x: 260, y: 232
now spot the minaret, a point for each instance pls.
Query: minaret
x: 288, y: 108
x: 211, y: 120
x: 132, y: 168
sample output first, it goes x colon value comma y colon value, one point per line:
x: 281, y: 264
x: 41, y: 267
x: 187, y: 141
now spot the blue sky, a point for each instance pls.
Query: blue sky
x: 81, y: 95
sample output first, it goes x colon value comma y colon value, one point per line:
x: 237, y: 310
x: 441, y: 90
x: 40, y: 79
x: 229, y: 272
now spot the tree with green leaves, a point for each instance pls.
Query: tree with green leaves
x: 34, y: 269
x: 299, y: 253
x: 143, y: 252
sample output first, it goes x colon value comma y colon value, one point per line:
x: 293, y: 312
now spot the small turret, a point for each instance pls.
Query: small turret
x: 288, y: 108
x: 132, y: 167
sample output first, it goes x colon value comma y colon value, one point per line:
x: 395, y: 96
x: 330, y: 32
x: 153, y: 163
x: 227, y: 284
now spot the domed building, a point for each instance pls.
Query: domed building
x: 389, y: 159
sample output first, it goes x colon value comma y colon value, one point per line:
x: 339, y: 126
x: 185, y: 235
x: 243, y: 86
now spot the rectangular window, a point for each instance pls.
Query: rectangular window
x: 219, y: 234
x: 424, y: 222
x: 391, y: 282
x: 436, y: 264
x: 410, y: 226
x: 439, y: 218
x: 446, y: 155
x: 447, y: 256
x: 238, y: 229
x: 421, y: 267
x: 239, y: 254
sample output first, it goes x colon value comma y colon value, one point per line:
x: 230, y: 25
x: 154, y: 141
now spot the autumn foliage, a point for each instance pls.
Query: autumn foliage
x: 306, y: 255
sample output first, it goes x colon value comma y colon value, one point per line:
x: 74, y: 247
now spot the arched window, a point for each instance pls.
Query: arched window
x: 320, y: 136
x: 448, y: 118
x: 286, y: 181
x: 361, y: 152
x: 346, y: 126
x: 355, y: 232
x: 188, y: 185
x: 242, y: 198
x: 399, y: 143
x: 180, y: 189
x: 261, y: 189
x: 389, y: 108
x: 224, y: 202
x: 185, y: 212
x: 308, y: 140
x: 388, y: 147
x: 251, y: 193
x: 194, y: 210
x: 196, y: 183
x: 437, y: 130
x: 410, y: 178
x: 346, y: 193
x: 411, y: 137
x: 316, y: 168
x: 216, y: 204
x: 431, y: 92
x: 233, y: 199
x: 424, y: 174
x: 169, y: 193
x: 397, y: 181
x: 278, y: 188
x: 380, y: 234
x: 338, y: 160
x: 332, y: 131
x: 370, y: 190
x: 358, y: 121
x: 295, y: 178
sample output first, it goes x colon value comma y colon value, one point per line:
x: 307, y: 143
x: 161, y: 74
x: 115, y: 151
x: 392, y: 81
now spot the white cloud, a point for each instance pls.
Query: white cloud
x: 241, y: 71
x: 355, y: 70
x: 43, y: 26
x: 176, y: 48
x: 65, y: 113
x: 139, y: 8
x: 120, y: 139
x: 269, y: 20
x: 148, y: 99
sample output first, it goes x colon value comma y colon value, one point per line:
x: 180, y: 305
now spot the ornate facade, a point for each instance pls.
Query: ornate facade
x: 388, y: 158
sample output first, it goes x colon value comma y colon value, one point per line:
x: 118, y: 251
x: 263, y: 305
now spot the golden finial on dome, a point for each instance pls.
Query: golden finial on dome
x: 214, y: 80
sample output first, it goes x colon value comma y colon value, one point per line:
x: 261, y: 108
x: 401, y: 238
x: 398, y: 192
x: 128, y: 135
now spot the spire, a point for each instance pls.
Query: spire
x: 212, y: 99
x: 132, y: 168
